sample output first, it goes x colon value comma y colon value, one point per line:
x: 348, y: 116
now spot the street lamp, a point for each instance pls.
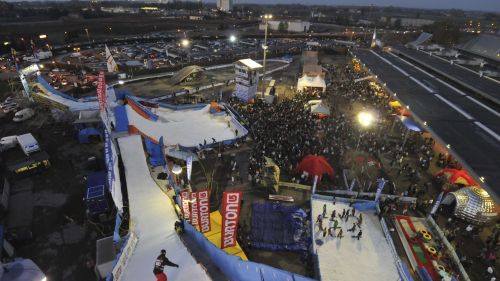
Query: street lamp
x: 42, y: 36
x: 232, y: 39
x: 365, y: 119
x: 266, y: 18
x: 185, y: 43
x: 176, y: 169
x: 88, y: 37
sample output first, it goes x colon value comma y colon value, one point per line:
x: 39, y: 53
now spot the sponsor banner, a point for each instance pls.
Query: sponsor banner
x: 194, y: 209
x: 204, y: 211
x: 381, y: 183
x: 230, y: 213
x: 113, y: 173
x: 124, y: 257
x: 189, y: 166
x: 185, y: 197
x: 101, y: 91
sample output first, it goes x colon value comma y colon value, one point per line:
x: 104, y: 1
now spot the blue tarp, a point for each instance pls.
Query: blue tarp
x: 85, y: 134
x: 121, y: 119
x: 155, y: 153
x: 49, y: 88
x: 409, y: 124
x: 277, y: 227
x: 236, y: 269
x: 364, y: 206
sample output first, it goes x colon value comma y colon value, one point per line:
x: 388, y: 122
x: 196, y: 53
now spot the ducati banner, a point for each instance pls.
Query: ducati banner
x: 204, y: 211
x: 230, y: 212
x: 185, y: 204
x: 194, y: 209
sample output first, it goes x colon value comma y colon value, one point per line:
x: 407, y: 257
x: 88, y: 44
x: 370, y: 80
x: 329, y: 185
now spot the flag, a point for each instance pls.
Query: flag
x: 189, y: 167
x: 110, y: 61
x: 204, y: 211
x: 101, y: 91
x: 381, y: 183
x: 437, y: 202
x: 231, y: 203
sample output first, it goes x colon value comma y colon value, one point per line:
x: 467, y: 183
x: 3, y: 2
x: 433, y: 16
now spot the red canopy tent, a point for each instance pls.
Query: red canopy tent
x: 457, y: 176
x: 315, y: 166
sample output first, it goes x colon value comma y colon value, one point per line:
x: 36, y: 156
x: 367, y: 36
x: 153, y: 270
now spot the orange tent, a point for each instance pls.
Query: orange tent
x: 457, y: 176
x: 315, y: 166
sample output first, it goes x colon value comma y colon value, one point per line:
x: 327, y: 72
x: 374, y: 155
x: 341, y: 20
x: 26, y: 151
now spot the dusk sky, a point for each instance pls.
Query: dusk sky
x: 481, y: 5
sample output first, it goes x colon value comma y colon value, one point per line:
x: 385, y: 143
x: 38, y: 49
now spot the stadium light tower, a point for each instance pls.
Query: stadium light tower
x: 266, y: 18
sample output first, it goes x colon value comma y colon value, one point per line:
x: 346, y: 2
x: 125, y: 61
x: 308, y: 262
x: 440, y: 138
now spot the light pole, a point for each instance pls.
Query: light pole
x: 88, y: 37
x: 365, y: 119
x: 266, y: 17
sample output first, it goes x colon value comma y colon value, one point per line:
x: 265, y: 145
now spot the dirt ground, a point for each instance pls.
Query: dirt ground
x: 63, y: 238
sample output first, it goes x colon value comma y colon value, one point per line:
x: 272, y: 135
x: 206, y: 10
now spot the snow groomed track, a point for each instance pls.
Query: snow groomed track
x: 152, y: 218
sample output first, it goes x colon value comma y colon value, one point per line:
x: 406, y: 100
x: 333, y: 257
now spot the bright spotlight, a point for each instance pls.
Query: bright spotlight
x: 185, y: 43
x: 232, y: 38
x: 176, y: 169
x: 42, y: 36
x: 121, y: 82
x: 365, y: 119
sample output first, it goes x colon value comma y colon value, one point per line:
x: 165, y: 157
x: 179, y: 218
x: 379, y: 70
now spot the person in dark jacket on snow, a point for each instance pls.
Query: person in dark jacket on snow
x: 160, y: 263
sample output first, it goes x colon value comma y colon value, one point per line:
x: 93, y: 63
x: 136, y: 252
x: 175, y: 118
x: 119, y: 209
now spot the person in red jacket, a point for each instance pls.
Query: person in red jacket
x: 160, y: 262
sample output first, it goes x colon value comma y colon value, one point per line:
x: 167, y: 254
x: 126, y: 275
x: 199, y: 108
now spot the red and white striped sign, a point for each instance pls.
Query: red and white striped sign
x: 101, y: 91
x: 185, y: 204
x: 231, y: 202
x: 204, y: 211
x: 194, y: 209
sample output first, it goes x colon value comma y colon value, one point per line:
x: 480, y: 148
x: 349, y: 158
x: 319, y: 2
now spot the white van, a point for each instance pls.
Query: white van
x: 28, y: 143
x: 24, y: 114
x: 8, y: 143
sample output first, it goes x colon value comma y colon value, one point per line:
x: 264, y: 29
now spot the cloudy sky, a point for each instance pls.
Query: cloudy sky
x: 481, y: 5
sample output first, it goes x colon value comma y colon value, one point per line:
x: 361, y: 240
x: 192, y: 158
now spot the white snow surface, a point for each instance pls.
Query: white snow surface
x: 152, y: 219
x: 184, y: 127
x: 347, y: 259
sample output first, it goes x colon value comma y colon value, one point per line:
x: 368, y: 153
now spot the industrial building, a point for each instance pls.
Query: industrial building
x: 225, y: 5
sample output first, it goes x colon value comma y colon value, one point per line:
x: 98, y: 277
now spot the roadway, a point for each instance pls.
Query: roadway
x: 469, y: 127
x: 469, y: 79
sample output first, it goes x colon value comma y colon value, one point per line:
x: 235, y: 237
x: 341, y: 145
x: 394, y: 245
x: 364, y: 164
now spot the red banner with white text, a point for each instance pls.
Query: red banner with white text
x: 101, y: 91
x: 204, y: 211
x: 185, y: 197
x: 194, y: 210
x: 231, y: 202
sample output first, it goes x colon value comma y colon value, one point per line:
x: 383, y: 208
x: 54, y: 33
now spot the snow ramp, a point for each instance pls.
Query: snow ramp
x: 152, y: 218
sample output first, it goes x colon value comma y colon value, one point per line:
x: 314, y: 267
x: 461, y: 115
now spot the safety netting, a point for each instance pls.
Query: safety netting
x: 277, y: 227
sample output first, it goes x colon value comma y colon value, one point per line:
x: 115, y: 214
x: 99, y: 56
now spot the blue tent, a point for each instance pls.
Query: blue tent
x: 86, y: 134
x: 409, y: 124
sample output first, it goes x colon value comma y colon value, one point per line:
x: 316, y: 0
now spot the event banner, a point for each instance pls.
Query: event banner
x: 101, y: 91
x: 185, y: 197
x: 231, y: 202
x: 381, y: 183
x: 195, y: 210
x: 204, y: 211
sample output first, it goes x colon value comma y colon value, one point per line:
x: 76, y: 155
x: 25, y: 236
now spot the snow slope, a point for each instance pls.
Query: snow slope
x: 348, y: 259
x: 188, y: 127
x: 152, y: 219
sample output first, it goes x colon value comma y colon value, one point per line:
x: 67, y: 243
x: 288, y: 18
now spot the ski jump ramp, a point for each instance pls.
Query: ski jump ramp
x: 152, y: 218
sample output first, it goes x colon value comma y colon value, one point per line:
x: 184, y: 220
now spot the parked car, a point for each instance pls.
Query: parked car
x: 24, y: 114
x: 10, y: 108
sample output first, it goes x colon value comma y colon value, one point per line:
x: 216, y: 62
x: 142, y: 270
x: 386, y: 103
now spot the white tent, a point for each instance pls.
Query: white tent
x: 318, y: 107
x: 307, y: 82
